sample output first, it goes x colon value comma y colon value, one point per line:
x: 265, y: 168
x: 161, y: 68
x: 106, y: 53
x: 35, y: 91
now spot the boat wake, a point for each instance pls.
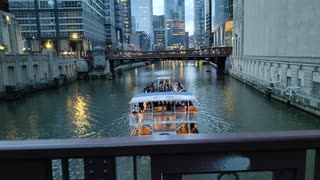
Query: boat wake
x: 209, y: 124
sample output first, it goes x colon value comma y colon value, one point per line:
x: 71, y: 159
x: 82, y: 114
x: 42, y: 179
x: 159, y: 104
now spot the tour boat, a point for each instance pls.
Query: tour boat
x: 163, y: 84
x: 163, y: 113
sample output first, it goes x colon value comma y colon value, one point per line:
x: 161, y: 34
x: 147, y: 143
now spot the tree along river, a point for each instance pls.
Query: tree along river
x: 99, y: 108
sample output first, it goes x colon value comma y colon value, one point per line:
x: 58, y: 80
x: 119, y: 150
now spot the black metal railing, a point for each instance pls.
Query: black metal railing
x: 282, y: 153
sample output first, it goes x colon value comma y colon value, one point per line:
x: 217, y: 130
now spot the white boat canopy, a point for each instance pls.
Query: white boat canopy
x: 164, y: 77
x: 162, y: 96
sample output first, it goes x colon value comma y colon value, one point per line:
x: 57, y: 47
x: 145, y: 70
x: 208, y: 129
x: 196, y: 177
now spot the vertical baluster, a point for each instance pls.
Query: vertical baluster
x: 135, y: 176
x: 65, y: 169
x: 317, y: 165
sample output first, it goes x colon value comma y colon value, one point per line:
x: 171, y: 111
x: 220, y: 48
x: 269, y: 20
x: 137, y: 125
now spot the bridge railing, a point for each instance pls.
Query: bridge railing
x: 208, y: 52
x: 281, y: 153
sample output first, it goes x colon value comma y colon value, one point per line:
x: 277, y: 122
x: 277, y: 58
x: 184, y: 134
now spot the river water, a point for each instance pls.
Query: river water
x: 99, y: 108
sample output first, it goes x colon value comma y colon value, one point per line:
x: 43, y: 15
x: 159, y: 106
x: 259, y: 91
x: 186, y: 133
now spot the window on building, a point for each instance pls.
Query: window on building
x: 288, y: 81
x: 300, y: 78
x: 316, y: 87
x: 316, y: 83
x: 299, y: 83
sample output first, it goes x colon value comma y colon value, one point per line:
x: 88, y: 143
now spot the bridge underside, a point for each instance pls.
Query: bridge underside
x: 219, y: 61
x: 215, y: 55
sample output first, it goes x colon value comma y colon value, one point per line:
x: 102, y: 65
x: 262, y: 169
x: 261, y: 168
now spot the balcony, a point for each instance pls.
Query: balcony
x: 281, y: 153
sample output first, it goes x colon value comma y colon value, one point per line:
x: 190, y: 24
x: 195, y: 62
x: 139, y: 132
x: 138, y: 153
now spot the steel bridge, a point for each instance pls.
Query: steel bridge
x: 216, y: 55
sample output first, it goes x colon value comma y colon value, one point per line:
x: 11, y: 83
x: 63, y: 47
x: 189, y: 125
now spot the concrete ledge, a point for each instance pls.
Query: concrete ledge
x: 284, y: 100
x: 131, y: 66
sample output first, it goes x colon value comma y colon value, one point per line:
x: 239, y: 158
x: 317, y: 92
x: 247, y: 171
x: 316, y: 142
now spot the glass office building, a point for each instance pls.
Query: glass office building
x: 159, y: 33
x: 110, y: 24
x: 199, y: 24
x: 175, y: 24
x: 141, y: 16
x: 126, y: 5
x: 60, y: 24
x: 208, y: 23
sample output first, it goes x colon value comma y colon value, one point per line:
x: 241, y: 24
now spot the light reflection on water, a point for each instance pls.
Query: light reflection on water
x: 79, y: 110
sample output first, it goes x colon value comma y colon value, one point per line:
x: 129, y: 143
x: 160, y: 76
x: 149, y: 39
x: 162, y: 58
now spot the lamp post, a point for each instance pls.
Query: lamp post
x: 75, y: 37
x: 1, y: 48
x: 49, y: 45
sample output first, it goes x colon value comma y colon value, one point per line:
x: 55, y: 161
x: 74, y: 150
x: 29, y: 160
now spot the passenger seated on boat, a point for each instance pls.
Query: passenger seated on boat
x: 134, y: 112
x: 192, y: 108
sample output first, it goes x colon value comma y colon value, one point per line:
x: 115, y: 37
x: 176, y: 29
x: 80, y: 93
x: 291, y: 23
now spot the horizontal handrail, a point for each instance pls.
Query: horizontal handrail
x: 283, y: 153
x: 153, y: 145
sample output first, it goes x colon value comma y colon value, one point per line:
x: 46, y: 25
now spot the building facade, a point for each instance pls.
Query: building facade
x: 60, y: 24
x: 10, y: 35
x: 199, y: 24
x: 279, y: 53
x: 223, y: 23
x: 159, y: 33
x: 27, y: 70
x: 110, y: 24
x: 126, y: 5
x: 141, y: 17
x: 208, y: 23
x: 119, y: 25
x: 175, y: 24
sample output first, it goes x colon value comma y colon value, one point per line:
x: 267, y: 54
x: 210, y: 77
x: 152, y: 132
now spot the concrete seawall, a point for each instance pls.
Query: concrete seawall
x: 282, y: 99
x: 130, y: 66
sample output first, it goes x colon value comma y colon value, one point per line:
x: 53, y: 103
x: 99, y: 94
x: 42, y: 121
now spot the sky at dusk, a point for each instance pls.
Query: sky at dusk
x: 158, y: 9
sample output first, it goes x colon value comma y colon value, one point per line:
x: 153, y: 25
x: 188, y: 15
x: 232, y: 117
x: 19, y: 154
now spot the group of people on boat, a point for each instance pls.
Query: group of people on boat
x: 163, y: 113
x: 165, y: 106
x: 162, y: 87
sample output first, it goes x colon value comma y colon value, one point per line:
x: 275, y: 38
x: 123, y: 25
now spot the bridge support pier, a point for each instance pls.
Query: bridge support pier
x: 221, y: 65
x: 220, y: 62
x: 111, y: 62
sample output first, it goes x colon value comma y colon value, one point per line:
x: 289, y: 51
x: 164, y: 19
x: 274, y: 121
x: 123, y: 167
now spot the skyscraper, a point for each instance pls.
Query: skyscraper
x: 159, y: 33
x: 223, y: 23
x: 141, y: 16
x: 208, y: 23
x: 60, y: 24
x: 110, y: 24
x: 126, y: 5
x: 175, y: 24
x: 199, y: 23
x: 119, y: 24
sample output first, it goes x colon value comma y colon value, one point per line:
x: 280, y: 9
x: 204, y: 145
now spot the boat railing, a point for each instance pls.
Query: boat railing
x: 163, y: 117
